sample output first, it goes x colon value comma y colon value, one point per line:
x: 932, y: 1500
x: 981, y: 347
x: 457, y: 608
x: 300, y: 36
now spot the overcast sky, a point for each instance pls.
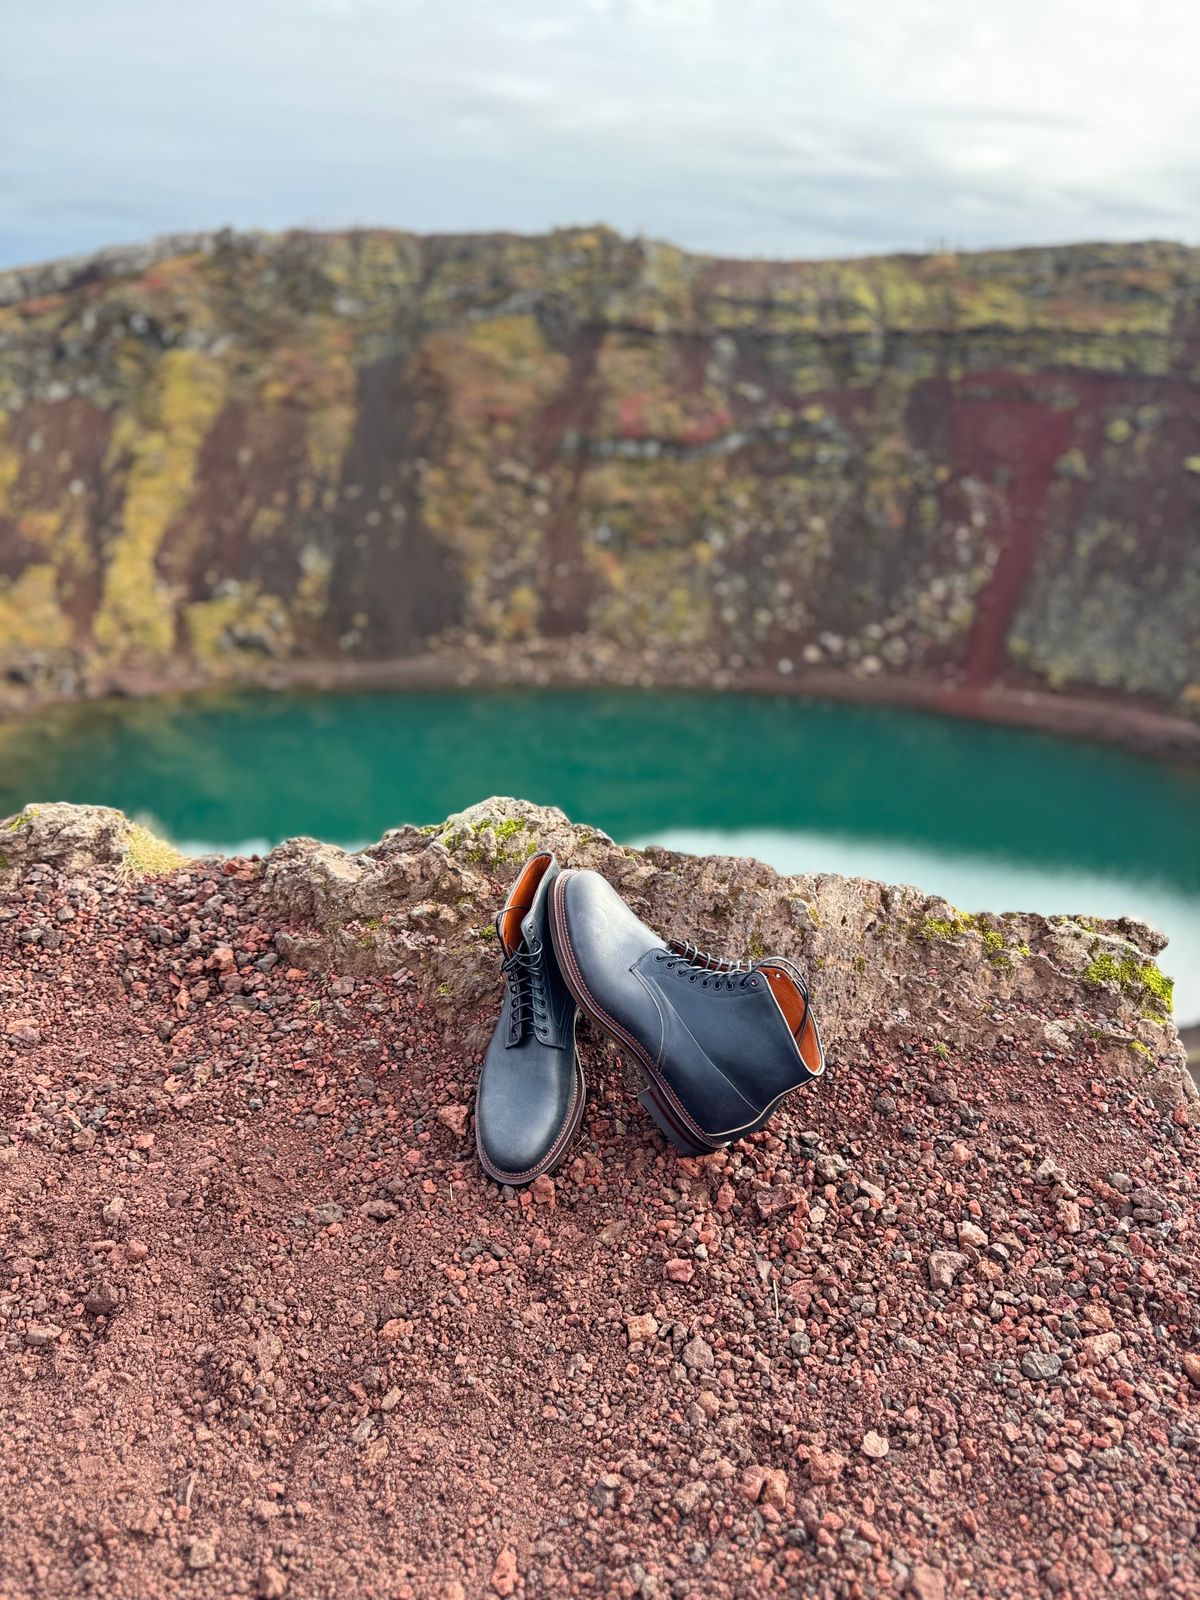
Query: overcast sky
x: 747, y: 127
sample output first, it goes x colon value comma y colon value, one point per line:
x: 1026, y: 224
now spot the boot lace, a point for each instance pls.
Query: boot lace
x: 711, y: 972
x: 525, y: 974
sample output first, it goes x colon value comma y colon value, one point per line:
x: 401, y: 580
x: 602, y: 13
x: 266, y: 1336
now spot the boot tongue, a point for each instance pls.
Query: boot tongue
x: 520, y: 902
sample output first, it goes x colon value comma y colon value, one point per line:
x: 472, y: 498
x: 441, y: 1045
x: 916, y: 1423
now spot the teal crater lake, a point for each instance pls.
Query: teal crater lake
x: 992, y: 818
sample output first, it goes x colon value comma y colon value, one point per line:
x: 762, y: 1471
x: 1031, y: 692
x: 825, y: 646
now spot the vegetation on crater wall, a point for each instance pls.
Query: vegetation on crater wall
x: 767, y: 465
x: 31, y: 617
x: 135, y: 618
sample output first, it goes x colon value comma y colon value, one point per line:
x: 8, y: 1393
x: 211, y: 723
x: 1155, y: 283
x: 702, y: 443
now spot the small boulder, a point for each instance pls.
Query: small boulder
x: 641, y: 1328
x: 698, y: 1355
x: 826, y: 1466
x: 38, y: 1334
x: 1041, y: 1365
x: 504, y: 1572
x: 454, y: 1117
x: 1099, y: 1346
x: 201, y: 1553
x: 944, y: 1266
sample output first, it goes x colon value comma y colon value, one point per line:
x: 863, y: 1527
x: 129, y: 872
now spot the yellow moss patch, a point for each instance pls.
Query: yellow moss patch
x: 266, y: 523
x: 10, y: 462
x: 659, y: 299
x: 499, y: 371
x: 312, y: 591
x: 316, y: 377
x: 375, y: 268
x: 519, y: 615
x: 31, y: 617
x: 509, y: 341
x: 219, y: 631
x: 136, y: 614
x: 643, y: 396
x: 38, y: 527
x: 327, y: 433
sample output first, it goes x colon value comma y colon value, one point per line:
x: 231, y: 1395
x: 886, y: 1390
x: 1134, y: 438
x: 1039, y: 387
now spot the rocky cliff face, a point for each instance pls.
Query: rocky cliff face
x: 222, y: 452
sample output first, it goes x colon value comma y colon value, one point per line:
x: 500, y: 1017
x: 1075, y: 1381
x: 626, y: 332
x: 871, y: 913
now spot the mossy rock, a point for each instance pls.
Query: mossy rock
x: 72, y: 838
x: 1140, y: 980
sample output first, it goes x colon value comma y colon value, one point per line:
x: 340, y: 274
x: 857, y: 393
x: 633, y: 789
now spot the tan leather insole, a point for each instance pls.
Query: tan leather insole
x: 519, y: 902
x: 796, y: 1013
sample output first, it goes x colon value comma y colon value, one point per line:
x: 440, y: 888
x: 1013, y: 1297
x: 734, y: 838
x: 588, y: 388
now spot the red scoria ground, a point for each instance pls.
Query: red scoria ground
x: 266, y: 1328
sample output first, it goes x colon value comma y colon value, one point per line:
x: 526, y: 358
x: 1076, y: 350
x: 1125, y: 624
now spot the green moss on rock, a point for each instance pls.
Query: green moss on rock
x: 1142, y: 981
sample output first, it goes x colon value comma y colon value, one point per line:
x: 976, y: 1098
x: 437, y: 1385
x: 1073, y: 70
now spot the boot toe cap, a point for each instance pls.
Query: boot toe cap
x: 519, y: 1127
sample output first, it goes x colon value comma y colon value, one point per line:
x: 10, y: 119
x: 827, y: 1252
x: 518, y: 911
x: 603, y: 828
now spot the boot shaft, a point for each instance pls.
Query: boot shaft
x: 734, y: 1039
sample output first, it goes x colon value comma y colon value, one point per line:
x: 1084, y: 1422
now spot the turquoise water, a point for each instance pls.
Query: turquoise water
x: 990, y: 817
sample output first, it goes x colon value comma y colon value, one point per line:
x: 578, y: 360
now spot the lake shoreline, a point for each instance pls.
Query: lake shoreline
x: 1122, y: 720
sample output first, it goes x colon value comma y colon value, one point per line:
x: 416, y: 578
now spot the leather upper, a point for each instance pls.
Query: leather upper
x: 529, y: 1086
x: 718, y: 1038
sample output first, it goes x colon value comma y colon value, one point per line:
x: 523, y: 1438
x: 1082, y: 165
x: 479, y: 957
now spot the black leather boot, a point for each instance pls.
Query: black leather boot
x: 531, y: 1091
x: 720, y: 1043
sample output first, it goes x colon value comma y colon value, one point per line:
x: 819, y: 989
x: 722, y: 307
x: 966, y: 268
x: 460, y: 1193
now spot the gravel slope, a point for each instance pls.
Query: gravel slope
x: 267, y: 1329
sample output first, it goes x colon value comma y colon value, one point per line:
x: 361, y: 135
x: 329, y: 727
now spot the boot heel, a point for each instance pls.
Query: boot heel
x: 683, y: 1141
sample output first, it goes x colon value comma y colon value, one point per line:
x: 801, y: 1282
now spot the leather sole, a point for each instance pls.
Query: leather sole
x: 658, y: 1099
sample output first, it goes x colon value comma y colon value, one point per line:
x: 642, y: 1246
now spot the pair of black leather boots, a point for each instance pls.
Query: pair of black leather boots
x: 720, y: 1042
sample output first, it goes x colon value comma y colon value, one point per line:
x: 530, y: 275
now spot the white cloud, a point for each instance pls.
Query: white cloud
x: 770, y: 127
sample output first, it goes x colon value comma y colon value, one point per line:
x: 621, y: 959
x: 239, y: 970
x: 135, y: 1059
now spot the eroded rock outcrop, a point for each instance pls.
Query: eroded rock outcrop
x: 583, y: 456
x: 72, y: 838
x: 422, y: 901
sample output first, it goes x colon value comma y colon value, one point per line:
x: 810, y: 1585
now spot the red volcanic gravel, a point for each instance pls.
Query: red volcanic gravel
x: 267, y: 1329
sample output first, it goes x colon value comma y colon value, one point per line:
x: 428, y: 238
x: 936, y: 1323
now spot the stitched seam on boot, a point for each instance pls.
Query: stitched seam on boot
x: 664, y: 1019
x: 722, y: 1075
